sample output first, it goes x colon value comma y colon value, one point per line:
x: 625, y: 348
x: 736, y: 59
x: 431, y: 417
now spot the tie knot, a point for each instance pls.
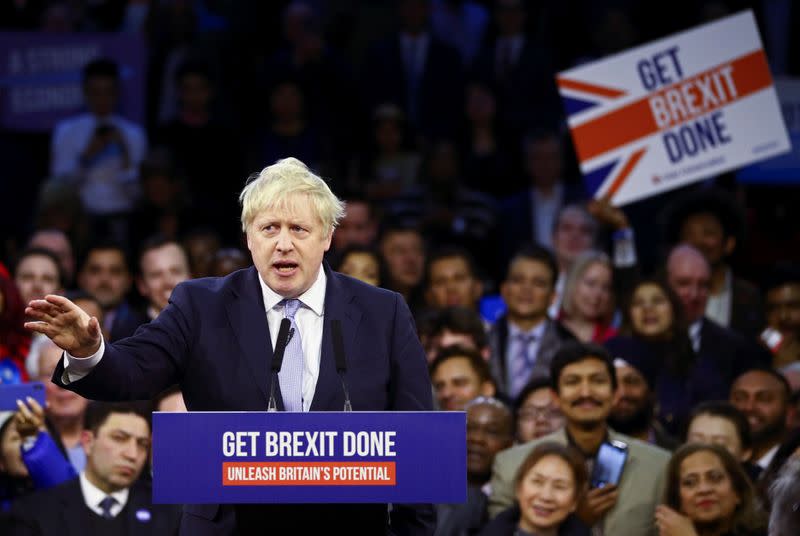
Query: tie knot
x: 526, y: 338
x: 106, y: 505
x: 290, y: 308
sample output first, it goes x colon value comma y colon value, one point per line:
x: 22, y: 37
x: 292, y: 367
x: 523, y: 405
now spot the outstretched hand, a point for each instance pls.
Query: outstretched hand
x: 65, y: 324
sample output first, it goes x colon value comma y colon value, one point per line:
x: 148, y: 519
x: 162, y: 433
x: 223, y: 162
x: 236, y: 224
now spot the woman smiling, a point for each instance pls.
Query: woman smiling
x: 708, y: 494
x: 549, y: 484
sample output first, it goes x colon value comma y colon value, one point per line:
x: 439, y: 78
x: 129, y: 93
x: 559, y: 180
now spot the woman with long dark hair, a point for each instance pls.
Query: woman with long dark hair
x: 653, y: 317
x: 708, y: 494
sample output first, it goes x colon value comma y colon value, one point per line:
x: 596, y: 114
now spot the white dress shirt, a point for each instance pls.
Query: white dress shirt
x: 309, y: 324
x: 92, y: 496
x: 545, y: 210
x: 107, y: 186
x: 764, y: 461
x: 718, y: 307
x: 694, y: 334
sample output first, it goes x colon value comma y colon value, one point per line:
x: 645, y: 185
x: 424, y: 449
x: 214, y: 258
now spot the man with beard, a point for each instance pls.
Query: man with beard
x: 633, y: 411
x: 490, y: 429
x: 584, y: 379
x: 763, y: 396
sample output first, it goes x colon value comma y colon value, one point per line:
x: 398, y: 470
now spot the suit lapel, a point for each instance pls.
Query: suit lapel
x: 337, y: 307
x: 73, y: 506
x: 249, y: 323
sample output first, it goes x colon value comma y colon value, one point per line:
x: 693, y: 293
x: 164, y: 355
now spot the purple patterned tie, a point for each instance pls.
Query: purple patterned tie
x: 522, y: 363
x: 291, y: 374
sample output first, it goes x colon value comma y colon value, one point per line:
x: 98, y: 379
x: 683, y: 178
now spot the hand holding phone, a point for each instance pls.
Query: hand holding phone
x: 595, y: 503
x: 29, y: 418
x: 9, y: 394
x: 609, y: 464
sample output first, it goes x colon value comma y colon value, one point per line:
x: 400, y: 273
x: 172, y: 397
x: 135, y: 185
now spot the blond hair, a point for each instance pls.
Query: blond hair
x: 582, y: 263
x: 284, y: 180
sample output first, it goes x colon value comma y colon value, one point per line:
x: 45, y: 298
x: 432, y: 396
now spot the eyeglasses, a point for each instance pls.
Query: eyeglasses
x: 534, y: 413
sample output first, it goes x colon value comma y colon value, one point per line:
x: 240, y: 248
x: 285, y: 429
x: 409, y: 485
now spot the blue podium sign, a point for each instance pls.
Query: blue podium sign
x: 280, y: 457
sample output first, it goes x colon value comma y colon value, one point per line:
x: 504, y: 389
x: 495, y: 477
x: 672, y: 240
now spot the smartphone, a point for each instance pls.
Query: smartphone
x: 609, y: 463
x: 9, y: 394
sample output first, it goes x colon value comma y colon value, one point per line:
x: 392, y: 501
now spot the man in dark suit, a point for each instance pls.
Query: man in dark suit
x: 712, y: 222
x: 522, y: 70
x: 216, y: 339
x: 417, y: 72
x: 689, y: 275
x: 524, y: 340
x: 107, y: 498
x: 531, y: 215
x: 490, y: 429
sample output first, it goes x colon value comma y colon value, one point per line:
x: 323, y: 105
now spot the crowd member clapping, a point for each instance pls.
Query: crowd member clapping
x: 708, y: 493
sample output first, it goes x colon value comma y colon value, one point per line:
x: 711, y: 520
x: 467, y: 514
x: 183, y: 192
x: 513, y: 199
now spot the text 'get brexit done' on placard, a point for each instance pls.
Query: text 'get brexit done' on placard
x: 252, y: 457
x: 680, y: 109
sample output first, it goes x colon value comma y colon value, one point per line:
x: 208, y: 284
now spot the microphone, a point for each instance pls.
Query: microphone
x: 284, y: 336
x: 341, y: 363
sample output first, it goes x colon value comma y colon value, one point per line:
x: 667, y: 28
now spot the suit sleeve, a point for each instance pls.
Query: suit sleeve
x: 410, y: 390
x: 410, y: 384
x: 502, y: 496
x: 141, y: 366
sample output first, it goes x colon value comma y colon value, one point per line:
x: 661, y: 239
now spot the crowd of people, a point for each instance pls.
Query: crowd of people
x: 558, y: 323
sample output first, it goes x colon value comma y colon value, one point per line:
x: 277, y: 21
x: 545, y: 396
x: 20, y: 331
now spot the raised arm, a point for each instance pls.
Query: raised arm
x: 66, y: 324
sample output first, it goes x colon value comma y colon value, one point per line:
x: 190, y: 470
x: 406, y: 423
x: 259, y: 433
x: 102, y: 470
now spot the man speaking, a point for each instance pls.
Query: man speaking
x: 216, y: 339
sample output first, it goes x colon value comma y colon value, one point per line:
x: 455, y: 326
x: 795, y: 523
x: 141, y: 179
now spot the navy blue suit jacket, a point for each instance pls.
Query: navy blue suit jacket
x: 213, y: 340
x: 60, y: 511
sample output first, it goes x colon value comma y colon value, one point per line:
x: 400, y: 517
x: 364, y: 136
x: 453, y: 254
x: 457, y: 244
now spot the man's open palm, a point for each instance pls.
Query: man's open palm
x: 65, y: 324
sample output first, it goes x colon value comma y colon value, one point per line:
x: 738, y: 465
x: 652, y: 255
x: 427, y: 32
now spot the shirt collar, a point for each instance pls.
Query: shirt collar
x: 766, y: 459
x: 92, y: 495
x: 694, y: 328
x: 536, y: 332
x: 313, y: 298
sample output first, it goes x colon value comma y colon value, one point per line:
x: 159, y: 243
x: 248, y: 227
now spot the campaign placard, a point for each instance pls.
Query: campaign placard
x: 674, y: 111
x: 781, y: 169
x: 40, y: 76
x: 280, y: 457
